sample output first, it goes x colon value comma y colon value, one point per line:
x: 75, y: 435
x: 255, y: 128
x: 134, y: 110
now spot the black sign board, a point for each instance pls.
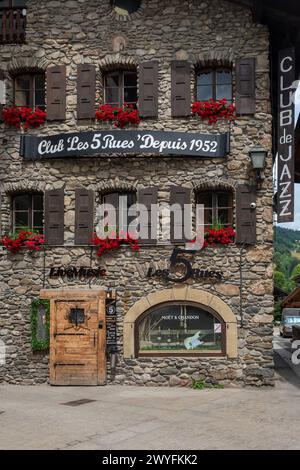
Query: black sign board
x: 111, y: 326
x: 85, y: 144
x: 286, y: 139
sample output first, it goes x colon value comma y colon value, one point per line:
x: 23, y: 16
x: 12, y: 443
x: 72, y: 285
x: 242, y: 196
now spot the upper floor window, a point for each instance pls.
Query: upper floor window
x: 12, y: 21
x: 120, y: 87
x: 30, y: 90
x: 214, y: 84
x: 125, y: 7
x: 27, y: 211
x: 218, y: 208
x: 121, y: 211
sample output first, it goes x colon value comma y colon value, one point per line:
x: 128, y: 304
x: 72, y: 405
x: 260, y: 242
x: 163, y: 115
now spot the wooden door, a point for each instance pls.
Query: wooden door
x: 77, y: 344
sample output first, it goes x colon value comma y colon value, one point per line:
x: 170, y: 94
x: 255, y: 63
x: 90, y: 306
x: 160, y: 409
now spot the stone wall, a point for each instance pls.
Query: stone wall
x: 215, y: 32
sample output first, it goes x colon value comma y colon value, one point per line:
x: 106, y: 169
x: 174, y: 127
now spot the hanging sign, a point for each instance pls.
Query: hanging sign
x: 85, y: 144
x: 111, y: 326
x: 286, y: 139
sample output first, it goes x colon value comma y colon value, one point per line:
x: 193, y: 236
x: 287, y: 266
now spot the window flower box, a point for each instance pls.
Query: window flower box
x: 23, y: 117
x: 119, y: 116
x: 28, y: 239
x: 214, y: 110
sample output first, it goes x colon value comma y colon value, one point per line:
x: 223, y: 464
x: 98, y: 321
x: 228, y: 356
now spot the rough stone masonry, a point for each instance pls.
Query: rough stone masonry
x: 214, y: 32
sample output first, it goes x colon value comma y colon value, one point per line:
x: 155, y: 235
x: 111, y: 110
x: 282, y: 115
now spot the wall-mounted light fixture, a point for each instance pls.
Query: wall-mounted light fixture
x: 258, y: 156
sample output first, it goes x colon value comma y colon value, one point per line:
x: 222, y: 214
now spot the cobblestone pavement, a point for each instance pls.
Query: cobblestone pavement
x: 152, y: 418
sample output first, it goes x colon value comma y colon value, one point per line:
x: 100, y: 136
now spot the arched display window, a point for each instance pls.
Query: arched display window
x: 180, y: 329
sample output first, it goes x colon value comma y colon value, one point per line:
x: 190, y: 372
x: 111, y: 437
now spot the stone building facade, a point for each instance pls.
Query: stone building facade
x: 206, y: 35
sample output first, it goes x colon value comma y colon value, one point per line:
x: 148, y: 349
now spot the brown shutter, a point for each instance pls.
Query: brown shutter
x: 86, y: 91
x: 148, y: 89
x: 54, y: 217
x: 84, y: 216
x: 181, y: 88
x: 245, y: 86
x: 2, y: 98
x: 56, y: 93
x: 245, y: 216
x: 181, y: 196
x: 147, y: 197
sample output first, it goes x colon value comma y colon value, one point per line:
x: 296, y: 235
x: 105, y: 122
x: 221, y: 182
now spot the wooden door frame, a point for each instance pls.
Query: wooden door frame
x: 77, y: 295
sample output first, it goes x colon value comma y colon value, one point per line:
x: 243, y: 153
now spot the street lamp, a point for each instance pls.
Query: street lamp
x: 258, y: 157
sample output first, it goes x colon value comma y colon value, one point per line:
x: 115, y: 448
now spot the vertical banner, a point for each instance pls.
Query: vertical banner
x: 286, y: 136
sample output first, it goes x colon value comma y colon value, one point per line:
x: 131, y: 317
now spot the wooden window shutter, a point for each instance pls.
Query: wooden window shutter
x: 181, y: 88
x: 245, y: 216
x: 2, y: 92
x: 148, y: 215
x: 84, y: 216
x: 245, y: 86
x: 148, y: 89
x: 180, y: 196
x: 86, y: 91
x: 56, y: 93
x: 54, y: 217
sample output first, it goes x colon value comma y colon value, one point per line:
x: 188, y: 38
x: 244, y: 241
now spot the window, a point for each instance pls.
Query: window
x: 119, y: 218
x: 217, y: 208
x: 125, y: 7
x: 12, y: 21
x: 30, y: 90
x: 120, y: 87
x: 215, y: 84
x: 28, y: 212
x: 180, y: 328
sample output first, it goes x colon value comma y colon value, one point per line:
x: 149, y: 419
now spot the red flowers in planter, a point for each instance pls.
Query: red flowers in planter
x: 26, y: 238
x: 113, y: 242
x: 223, y: 236
x: 121, y: 117
x: 24, y: 117
x: 214, y: 110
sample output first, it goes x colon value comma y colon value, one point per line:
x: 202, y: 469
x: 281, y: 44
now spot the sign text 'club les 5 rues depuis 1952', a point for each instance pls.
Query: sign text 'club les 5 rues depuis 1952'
x: 93, y: 143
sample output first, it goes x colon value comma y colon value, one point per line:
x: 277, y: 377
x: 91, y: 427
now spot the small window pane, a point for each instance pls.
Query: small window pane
x: 38, y: 202
x: 40, y: 98
x: 205, y: 78
x: 223, y: 77
x: 208, y: 217
x: 22, y: 98
x: 22, y: 219
x: 205, y: 198
x: 130, y: 79
x: 37, y: 219
x: 22, y: 202
x: 130, y: 95
x: 40, y: 82
x: 112, y: 96
x: 204, y: 93
x: 224, y: 91
x: 223, y: 199
x: 223, y: 216
x: 125, y: 7
x: 112, y: 80
x: 23, y: 82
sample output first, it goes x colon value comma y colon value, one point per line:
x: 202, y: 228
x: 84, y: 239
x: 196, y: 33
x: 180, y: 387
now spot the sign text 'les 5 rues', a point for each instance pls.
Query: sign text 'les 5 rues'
x: 85, y: 144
